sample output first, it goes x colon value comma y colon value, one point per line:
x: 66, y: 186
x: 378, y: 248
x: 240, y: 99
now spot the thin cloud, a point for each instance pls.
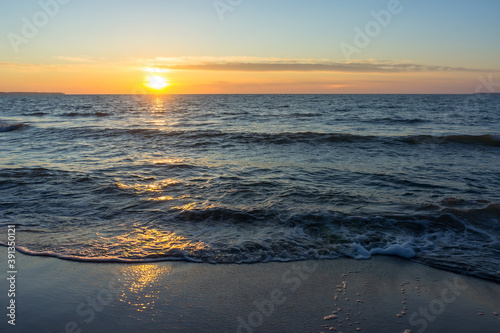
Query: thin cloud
x: 31, y: 67
x: 51, y: 67
x: 84, y: 60
x: 255, y: 64
x: 239, y: 64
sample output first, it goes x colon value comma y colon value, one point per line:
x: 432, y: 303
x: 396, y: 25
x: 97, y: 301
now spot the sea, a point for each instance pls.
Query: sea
x: 241, y: 179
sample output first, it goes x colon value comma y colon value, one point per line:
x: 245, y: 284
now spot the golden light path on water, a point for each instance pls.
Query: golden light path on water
x: 141, y: 292
x: 143, y: 242
x: 155, y: 187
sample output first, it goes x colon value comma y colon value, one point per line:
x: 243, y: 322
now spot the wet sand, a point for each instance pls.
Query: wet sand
x: 383, y: 294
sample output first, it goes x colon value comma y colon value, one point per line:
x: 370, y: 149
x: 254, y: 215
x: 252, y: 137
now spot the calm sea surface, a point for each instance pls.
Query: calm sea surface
x: 254, y: 178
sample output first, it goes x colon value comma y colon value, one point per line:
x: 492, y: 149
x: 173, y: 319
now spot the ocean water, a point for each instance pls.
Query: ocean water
x: 254, y: 178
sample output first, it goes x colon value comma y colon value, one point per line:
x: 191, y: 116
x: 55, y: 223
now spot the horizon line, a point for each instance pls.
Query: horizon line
x: 172, y: 94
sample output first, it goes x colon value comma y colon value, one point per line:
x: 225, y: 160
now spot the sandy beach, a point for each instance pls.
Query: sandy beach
x: 383, y: 294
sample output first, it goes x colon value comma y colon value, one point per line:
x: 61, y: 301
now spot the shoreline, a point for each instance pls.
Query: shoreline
x: 382, y: 294
x: 26, y: 252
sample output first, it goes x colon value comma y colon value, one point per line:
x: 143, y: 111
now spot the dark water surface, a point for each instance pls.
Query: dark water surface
x: 254, y: 178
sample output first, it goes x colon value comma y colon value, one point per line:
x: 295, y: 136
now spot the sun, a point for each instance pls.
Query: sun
x: 156, y: 82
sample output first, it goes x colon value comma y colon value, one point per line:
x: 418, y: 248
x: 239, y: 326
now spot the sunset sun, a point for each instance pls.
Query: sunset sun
x: 156, y: 82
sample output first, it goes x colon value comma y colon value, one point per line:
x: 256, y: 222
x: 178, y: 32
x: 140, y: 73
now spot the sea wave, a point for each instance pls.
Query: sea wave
x: 83, y: 114
x: 11, y: 127
x: 215, y: 136
x: 389, y: 120
x: 485, y: 139
x: 460, y: 240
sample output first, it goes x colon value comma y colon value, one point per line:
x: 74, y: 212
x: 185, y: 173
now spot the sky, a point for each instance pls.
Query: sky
x: 249, y: 46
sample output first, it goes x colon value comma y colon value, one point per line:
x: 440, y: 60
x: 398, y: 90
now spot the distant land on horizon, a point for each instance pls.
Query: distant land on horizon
x: 61, y: 93
x: 32, y: 93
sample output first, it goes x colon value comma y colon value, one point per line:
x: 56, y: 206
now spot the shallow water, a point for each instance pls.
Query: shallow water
x: 254, y: 178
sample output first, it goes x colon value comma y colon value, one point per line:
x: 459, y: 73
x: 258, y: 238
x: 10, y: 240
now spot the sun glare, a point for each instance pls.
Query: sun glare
x: 157, y: 82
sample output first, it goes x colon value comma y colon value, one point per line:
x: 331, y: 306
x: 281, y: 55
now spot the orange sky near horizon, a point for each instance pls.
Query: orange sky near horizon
x: 104, y: 79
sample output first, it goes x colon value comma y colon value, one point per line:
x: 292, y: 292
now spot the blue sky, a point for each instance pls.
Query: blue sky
x: 433, y: 33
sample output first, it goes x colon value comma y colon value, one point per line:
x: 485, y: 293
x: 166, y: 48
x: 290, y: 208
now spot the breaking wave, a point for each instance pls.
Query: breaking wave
x: 460, y: 240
